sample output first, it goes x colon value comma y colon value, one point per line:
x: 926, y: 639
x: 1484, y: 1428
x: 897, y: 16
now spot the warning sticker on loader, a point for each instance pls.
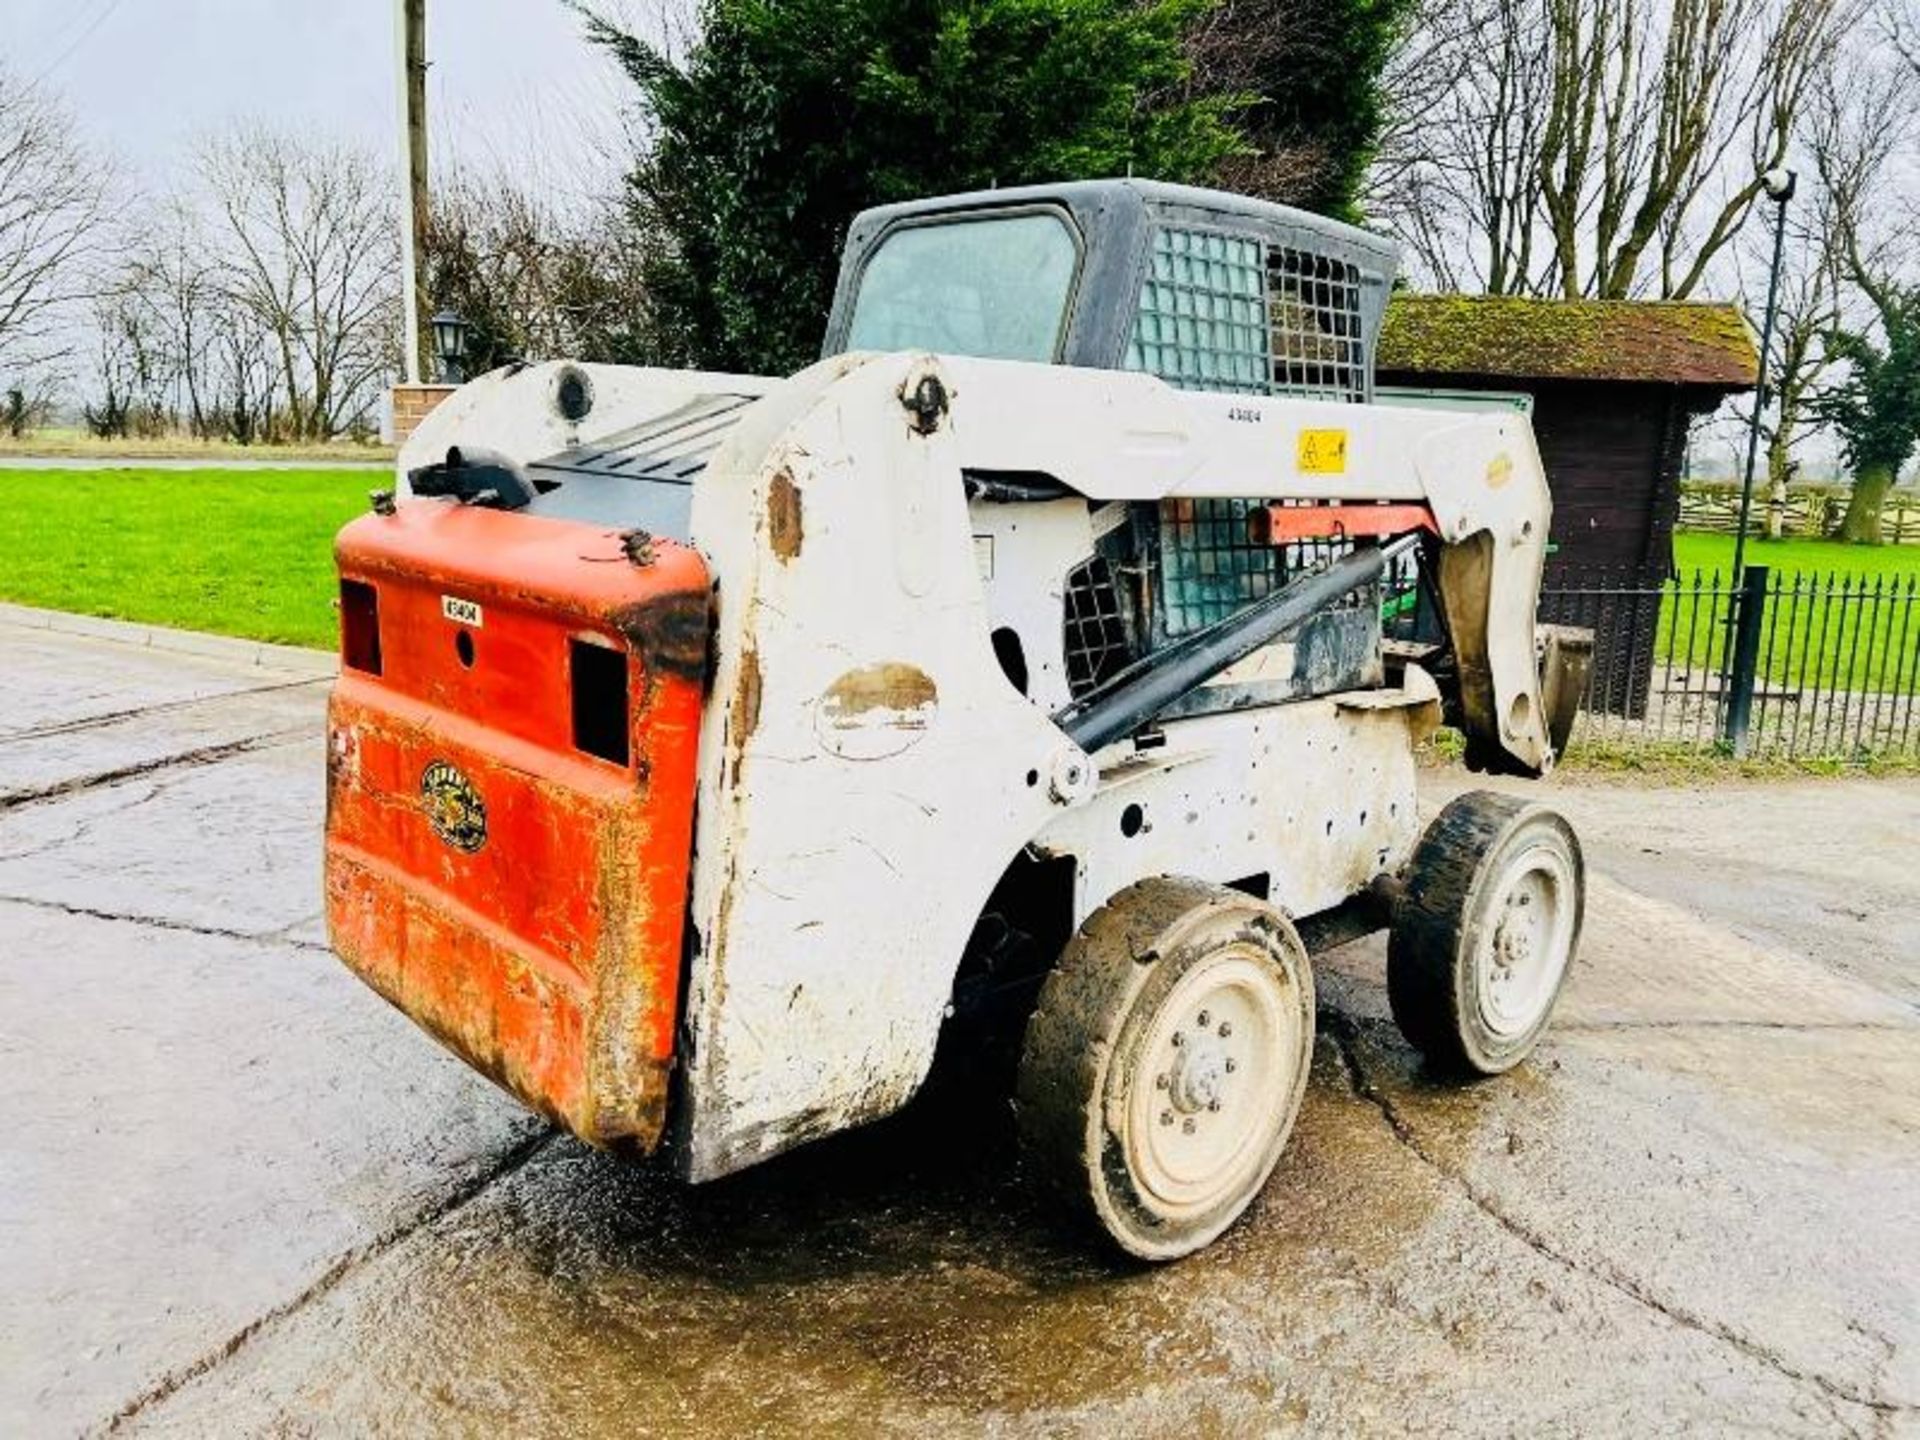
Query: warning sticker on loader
x: 1323, y: 452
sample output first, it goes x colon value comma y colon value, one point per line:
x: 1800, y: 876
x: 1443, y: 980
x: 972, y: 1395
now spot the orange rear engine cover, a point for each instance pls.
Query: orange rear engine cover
x: 510, y: 777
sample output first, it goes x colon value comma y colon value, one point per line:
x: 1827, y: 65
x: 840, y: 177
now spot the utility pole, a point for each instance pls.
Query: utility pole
x: 410, y: 50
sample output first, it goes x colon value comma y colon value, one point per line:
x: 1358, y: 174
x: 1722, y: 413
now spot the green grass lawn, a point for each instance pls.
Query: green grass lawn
x: 1696, y: 551
x: 240, y: 552
x: 1844, y: 617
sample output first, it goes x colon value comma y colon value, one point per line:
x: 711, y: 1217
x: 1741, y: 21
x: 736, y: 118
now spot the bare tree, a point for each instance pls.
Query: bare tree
x: 175, y: 282
x: 52, y: 193
x: 307, y: 244
x: 534, y: 276
x: 1604, y: 147
x: 1860, y: 133
x: 1901, y: 21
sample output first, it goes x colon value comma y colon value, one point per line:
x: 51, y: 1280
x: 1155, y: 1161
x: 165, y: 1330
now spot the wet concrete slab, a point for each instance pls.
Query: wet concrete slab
x: 201, y: 1129
x: 56, y: 680
x: 238, y: 1195
x: 228, y: 846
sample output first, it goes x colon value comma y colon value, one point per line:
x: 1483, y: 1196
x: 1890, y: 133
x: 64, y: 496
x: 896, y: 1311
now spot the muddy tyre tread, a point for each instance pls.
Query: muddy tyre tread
x: 1431, y: 924
x: 1081, y: 1021
x: 1083, y: 1003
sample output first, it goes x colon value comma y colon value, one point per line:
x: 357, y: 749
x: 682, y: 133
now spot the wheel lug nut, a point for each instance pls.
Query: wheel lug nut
x: 1160, y: 1082
x: 1202, y: 1019
x: 1226, y: 1029
x: 1232, y: 1065
x: 1166, y: 1117
x: 1188, y: 1125
x: 1213, y: 1105
x: 1178, y: 1038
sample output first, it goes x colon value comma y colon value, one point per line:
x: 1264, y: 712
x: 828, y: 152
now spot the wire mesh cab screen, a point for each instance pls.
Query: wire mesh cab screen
x: 1239, y: 314
x: 1209, y: 565
x: 1202, y: 323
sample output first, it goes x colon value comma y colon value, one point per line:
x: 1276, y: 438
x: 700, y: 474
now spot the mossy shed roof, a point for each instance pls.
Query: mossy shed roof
x: 1671, y: 342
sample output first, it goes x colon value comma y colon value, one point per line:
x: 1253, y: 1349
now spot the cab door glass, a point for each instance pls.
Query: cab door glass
x: 996, y: 288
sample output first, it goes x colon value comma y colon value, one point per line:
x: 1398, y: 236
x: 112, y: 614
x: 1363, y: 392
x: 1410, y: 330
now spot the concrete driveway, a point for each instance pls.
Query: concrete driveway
x: 238, y: 1195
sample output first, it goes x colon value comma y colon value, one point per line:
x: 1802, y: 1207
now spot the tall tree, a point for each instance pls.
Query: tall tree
x: 52, y: 195
x: 1606, y: 148
x: 306, y: 238
x: 535, y: 278
x: 1876, y: 408
x: 789, y: 116
x: 1859, y: 131
x: 1313, y: 70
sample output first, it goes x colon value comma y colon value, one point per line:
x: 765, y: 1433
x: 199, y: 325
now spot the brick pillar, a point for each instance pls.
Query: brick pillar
x: 412, y: 404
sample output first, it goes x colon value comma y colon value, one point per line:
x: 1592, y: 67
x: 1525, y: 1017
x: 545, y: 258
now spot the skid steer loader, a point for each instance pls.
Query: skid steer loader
x: 705, y: 743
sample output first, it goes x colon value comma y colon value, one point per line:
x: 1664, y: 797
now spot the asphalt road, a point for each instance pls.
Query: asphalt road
x: 238, y: 1195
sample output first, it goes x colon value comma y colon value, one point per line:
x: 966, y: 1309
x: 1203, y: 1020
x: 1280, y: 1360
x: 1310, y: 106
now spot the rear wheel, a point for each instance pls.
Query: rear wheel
x: 1485, y: 935
x: 1165, y: 1062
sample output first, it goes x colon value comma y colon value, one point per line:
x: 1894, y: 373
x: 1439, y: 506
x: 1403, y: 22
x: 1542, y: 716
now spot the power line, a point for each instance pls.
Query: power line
x: 85, y: 35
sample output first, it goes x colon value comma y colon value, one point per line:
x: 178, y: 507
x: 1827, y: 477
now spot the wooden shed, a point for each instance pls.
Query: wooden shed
x: 1615, y: 385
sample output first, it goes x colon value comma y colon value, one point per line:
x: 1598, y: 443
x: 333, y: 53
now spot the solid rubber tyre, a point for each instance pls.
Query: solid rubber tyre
x: 1165, y: 1061
x: 1485, y: 933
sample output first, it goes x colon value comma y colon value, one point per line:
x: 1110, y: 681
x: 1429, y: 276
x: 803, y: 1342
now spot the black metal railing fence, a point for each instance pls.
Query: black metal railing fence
x: 1788, y: 664
x: 1792, y: 664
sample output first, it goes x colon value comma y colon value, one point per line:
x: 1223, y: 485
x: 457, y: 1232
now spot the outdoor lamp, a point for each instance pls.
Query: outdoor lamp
x: 1778, y: 183
x: 450, y: 340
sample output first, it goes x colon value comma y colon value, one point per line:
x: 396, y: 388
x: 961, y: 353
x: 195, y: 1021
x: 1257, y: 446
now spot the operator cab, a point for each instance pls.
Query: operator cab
x: 1208, y: 291
x: 1204, y: 290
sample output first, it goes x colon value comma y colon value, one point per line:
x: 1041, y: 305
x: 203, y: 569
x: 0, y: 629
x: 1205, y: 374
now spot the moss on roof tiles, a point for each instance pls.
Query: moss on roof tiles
x: 1520, y: 337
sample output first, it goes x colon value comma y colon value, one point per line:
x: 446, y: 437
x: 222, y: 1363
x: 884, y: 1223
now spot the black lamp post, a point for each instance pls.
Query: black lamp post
x: 450, y: 340
x: 1779, y: 187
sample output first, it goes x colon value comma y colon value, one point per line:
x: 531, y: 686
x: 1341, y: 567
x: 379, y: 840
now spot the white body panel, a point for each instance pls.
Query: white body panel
x: 867, y: 770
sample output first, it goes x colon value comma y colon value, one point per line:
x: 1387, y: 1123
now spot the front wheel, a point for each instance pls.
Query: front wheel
x: 1485, y: 934
x: 1165, y: 1062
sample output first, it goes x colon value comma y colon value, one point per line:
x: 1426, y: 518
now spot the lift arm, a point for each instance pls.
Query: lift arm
x: 1112, y: 435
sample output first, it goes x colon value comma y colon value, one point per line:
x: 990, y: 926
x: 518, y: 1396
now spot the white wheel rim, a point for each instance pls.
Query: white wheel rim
x: 1209, y: 1088
x: 1522, y: 948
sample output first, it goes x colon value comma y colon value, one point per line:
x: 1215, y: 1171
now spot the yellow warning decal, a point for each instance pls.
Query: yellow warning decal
x: 1323, y: 452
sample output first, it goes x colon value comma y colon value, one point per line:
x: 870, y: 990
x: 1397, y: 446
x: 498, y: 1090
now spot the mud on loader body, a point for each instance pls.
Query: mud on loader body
x: 704, y: 741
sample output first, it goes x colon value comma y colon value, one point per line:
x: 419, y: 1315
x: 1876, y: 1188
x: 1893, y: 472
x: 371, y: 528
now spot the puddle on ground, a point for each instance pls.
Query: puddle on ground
x: 1421, y: 1250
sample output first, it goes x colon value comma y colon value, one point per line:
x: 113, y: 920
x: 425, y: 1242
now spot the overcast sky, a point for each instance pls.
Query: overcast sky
x: 510, y: 79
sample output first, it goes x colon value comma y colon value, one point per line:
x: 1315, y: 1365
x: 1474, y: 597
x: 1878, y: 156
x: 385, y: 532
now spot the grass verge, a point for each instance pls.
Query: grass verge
x: 1672, y: 762
x: 237, y: 552
x: 54, y: 444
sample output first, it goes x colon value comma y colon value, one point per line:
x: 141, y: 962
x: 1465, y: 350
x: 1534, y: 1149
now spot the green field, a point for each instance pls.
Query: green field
x: 1695, y: 551
x: 240, y: 552
x: 1841, y: 617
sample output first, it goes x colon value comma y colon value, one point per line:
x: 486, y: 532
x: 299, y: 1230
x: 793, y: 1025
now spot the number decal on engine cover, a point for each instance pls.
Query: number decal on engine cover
x: 461, y: 612
x: 454, y: 808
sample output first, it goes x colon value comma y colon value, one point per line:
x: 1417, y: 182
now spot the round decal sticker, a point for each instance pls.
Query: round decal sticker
x: 454, y: 808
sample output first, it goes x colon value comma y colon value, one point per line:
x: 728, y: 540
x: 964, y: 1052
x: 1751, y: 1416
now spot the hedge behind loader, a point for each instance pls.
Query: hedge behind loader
x: 703, y: 742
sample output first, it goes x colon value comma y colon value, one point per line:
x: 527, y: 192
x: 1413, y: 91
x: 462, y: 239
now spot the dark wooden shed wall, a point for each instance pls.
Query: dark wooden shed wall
x: 1612, y: 452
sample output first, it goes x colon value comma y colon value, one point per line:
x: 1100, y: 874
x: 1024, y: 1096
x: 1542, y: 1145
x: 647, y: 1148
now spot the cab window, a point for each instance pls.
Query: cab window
x: 995, y: 288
